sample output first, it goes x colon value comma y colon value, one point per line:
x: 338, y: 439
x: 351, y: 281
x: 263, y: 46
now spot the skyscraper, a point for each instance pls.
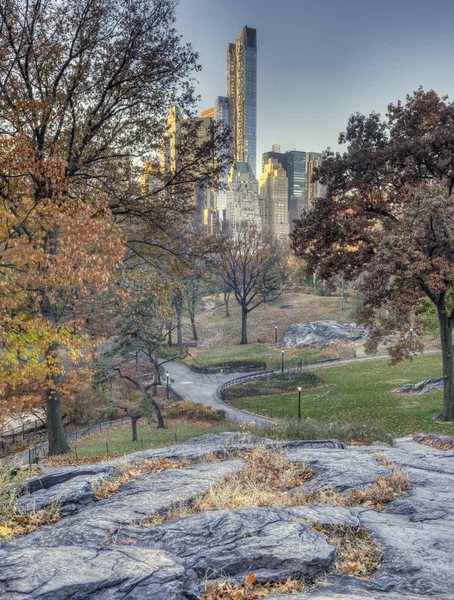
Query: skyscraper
x: 275, y: 154
x: 314, y: 188
x: 296, y: 173
x: 242, y: 198
x: 222, y: 110
x: 273, y: 192
x: 242, y: 93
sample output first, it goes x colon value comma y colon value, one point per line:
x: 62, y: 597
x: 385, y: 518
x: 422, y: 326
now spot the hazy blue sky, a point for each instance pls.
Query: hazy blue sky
x: 319, y: 61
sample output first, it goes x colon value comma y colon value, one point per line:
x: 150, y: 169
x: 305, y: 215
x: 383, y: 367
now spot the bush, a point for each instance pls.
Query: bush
x: 346, y: 431
x: 232, y: 365
x: 107, y: 413
x: 194, y: 411
x: 272, y: 385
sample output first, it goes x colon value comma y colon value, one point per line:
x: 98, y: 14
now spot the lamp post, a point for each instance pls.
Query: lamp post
x: 299, y: 403
x: 275, y: 334
x: 167, y: 378
x: 282, y: 367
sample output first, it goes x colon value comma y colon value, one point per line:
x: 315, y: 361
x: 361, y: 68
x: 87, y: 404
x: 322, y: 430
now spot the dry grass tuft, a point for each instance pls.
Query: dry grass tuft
x: 264, y: 481
x: 104, y: 488
x: 70, y: 460
x: 21, y: 524
x: 250, y: 589
x: 357, y: 552
x: 12, y: 485
x: 266, y: 478
x: 375, y: 497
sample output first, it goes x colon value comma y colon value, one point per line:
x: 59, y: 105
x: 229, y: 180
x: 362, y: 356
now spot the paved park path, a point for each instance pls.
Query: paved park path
x: 200, y: 387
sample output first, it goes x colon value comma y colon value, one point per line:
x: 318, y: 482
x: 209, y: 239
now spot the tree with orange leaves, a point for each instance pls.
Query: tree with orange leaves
x: 84, y: 91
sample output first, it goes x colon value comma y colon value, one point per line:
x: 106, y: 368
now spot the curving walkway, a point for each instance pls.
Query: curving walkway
x: 203, y: 388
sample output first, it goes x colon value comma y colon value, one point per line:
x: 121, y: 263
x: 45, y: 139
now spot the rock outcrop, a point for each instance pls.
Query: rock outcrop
x: 103, y: 551
x: 319, y: 334
x: 422, y: 387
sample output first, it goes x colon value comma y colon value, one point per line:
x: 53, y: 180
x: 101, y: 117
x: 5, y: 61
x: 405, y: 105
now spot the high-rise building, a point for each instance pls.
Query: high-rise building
x: 186, y: 137
x: 242, y: 94
x: 222, y: 110
x: 208, y: 113
x: 314, y: 188
x: 242, y: 198
x: 296, y: 173
x: 170, y: 142
x: 275, y: 154
x: 273, y: 192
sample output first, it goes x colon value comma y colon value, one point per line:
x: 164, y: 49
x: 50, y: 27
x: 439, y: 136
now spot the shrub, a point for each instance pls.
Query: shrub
x: 272, y: 385
x: 233, y: 365
x: 348, y: 431
x: 194, y: 411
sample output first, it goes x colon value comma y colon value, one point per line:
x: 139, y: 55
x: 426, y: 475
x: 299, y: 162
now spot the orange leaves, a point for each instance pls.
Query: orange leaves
x: 250, y: 589
x: 59, y: 246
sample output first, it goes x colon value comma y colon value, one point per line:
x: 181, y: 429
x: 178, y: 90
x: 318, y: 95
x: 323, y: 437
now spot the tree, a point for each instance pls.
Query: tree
x: 51, y: 253
x: 244, y: 264
x: 387, y: 222
x: 85, y: 90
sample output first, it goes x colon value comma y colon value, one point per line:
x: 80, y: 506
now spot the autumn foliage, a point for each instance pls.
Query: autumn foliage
x: 386, y: 223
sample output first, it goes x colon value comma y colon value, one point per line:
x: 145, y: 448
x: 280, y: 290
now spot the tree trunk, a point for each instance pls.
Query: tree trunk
x: 448, y: 366
x: 169, y: 338
x: 226, y: 302
x: 194, y: 328
x: 178, y: 306
x: 243, y: 326
x: 342, y: 292
x: 55, y: 430
x: 158, y: 412
x: 135, y: 437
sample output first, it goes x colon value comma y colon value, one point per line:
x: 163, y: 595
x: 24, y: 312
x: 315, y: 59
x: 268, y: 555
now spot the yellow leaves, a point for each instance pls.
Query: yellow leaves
x: 5, y: 532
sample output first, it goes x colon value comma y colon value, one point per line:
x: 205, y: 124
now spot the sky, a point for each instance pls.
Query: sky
x: 320, y: 61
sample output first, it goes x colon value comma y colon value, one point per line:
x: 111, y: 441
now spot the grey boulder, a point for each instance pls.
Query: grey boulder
x: 319, y: 334
x: 422, y: 387
x: 69, y: 496
x: 112, y: 573
x: 271, y: 543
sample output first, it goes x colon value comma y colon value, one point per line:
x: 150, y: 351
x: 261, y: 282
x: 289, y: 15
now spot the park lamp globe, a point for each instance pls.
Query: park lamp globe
x: 299, y: 388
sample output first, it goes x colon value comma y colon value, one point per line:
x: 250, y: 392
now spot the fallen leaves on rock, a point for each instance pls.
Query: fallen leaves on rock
x: 250, y: 589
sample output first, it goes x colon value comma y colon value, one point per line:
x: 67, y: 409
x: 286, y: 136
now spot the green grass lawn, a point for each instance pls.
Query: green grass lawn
x: 273, y: 385
x: 272, y: 356
x: 119, y: 439
x: 362, y: 392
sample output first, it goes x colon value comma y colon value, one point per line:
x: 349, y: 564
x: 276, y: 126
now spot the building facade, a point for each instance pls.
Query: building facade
x: 208, y: 113
x: 314, y: 188
x: 242, y: 94
x: 296, y: 173
x: 281, y: 157
x: 242, y: 199
x: 273, y: 194
x: 222, y: 110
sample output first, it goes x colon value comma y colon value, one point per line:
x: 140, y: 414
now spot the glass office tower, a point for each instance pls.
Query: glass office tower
x: 242, y: 93
x: 296, y: 173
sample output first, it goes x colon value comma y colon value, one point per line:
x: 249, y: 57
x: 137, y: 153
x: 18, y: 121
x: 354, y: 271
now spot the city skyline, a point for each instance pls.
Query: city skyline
x: 312, y: 74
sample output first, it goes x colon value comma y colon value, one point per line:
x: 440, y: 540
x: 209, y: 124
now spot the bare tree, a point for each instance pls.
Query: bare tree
x: 246, y: 263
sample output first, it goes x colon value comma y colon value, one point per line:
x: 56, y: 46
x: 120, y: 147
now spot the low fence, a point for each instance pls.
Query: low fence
x: 238, y: 380
x: 262, y: 374
x: 227, y: 368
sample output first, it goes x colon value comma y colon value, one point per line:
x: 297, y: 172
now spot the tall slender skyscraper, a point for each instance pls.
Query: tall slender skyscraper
x: 242, y: 93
